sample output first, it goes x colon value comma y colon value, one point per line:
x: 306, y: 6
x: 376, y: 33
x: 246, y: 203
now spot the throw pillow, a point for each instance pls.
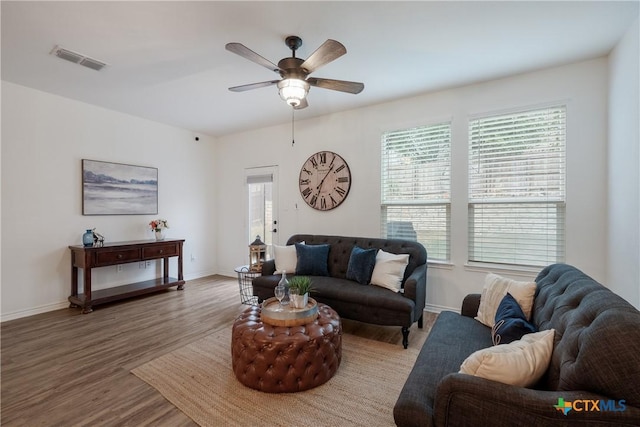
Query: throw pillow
x: 361, y: 264
x: 285, y: 258
x: 511, y: 323
x: 312, y: 260
x: 521, y: 363
x: 389, y: 270
x: 495, y: 288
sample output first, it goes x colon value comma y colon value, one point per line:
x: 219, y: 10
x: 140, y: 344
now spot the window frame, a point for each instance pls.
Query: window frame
x: 558, y: 202
x: 430, y: 202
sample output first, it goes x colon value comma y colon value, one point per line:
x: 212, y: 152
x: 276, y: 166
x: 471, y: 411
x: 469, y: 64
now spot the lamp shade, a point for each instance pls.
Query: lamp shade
x: 293, y: 91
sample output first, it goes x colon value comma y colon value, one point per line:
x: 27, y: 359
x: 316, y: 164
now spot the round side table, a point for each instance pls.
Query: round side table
x: 245, y: 277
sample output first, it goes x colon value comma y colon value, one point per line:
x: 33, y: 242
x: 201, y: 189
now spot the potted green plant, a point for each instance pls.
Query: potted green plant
x: 299, y: 288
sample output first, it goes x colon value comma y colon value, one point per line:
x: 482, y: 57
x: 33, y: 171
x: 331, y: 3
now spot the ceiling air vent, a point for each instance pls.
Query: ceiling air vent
x: 78, y: 58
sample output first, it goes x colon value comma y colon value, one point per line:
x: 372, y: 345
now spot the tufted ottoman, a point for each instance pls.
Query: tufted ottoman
x: 279, y: 359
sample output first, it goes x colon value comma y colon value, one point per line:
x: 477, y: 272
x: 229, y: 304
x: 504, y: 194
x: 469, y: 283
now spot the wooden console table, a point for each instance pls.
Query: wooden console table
x: 121, y: 253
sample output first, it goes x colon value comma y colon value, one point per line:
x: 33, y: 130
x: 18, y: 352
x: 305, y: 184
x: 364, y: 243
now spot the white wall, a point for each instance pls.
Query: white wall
x: 355, y: 135
x: 44, y: 138
x: 624, y: 168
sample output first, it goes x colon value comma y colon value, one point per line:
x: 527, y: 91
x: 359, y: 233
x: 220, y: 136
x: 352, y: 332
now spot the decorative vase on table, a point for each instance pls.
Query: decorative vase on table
x: 87, y: 238
x: 285, y: 284
x: 158, y: 226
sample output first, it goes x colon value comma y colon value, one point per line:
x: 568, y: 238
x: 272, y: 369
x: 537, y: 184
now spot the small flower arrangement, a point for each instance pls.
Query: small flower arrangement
x: 158, y: 224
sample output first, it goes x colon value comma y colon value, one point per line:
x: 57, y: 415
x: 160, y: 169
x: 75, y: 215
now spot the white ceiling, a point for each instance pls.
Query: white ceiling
x: 167, y: 60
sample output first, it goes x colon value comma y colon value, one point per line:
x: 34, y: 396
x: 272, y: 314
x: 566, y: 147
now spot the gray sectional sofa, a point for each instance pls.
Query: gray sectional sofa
x: 596, y: 358
x: 351, y: 300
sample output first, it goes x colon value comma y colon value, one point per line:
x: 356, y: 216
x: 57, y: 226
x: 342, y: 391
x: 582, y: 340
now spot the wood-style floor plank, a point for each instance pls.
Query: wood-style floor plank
x: 64, y: 368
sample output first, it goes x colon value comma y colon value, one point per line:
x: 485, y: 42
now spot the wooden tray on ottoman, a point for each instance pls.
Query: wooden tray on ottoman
x: 289, y: 316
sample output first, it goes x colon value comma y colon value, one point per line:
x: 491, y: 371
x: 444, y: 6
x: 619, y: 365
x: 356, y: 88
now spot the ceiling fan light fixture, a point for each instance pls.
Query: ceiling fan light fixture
x: 293, y: 91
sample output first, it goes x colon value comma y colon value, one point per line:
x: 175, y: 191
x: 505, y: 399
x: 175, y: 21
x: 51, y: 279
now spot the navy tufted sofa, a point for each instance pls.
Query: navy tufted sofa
x: 595, y: 363
x: 365, y: 303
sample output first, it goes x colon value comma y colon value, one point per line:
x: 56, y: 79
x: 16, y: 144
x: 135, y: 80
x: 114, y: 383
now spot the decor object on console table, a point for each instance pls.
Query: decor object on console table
x: 87, y: 238
x: 158, y: 225
x: 98, y: 239
x: 116, y: 253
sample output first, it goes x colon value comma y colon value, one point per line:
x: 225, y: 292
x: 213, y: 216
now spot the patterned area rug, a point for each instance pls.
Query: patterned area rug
x: 199, y: 381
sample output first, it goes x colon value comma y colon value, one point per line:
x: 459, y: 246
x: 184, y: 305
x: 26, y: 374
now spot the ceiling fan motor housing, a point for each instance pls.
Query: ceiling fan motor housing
x: 291, y: 68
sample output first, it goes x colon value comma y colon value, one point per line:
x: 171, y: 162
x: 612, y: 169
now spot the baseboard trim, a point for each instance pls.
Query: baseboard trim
x: 439, y: 308
x: 33, y: 311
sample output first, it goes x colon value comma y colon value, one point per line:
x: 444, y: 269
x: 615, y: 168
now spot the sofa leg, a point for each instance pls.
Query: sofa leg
x: 420, y: 321
x: 405, y: 337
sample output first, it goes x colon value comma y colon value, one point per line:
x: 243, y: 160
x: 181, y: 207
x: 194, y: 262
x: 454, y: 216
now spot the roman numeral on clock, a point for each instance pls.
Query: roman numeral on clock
x: 340, y: 191
x: 306, y: 192
x: 323, y: 157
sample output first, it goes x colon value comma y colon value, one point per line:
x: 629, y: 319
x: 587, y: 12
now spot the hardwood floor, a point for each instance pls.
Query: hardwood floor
x: 64, y: 368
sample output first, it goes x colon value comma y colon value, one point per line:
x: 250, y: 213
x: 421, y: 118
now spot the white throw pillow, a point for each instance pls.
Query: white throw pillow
x: 495, y: 288
x: 521, y: 363
x: 389, y: 270
x: 286, y: 258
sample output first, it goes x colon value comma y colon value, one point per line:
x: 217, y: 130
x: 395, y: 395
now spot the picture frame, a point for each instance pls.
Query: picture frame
x: 118, y: 189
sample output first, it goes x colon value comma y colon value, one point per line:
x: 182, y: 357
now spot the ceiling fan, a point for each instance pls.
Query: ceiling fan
x: 295, y: 82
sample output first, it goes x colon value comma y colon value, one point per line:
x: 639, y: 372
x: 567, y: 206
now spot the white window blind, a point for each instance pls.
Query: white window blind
x: 416, y: 186
x: 517, y: 187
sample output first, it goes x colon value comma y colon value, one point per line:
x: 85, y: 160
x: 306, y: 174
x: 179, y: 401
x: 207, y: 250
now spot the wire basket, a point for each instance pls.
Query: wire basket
x: 245, y: 277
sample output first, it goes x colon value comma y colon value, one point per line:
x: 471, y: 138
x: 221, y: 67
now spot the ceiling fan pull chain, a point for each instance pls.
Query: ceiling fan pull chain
x: 293, y: 141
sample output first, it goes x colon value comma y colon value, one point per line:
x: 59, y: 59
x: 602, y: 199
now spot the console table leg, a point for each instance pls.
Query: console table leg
x: 87, y: 291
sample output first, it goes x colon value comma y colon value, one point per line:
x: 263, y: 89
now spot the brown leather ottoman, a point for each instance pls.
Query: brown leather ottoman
x: 279, y: 359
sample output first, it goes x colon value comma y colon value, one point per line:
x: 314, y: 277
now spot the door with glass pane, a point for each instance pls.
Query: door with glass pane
x: 261, y: 204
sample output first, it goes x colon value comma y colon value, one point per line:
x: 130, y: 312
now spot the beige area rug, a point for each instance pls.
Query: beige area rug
x: 198, y: 380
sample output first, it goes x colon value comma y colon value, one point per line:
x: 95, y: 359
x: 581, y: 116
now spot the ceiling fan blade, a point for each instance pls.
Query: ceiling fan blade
x: 245, y: 52
x: 327, y: 52
x: 303, y: 104
x: 340, y: 85
x: 253, y: 86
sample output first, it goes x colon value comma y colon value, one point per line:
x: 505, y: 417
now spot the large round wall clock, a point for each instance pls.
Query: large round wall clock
x: 325, y: 180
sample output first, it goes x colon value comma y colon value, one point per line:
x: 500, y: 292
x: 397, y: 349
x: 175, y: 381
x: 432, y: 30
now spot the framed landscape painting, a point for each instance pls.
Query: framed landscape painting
x: 118, y: 189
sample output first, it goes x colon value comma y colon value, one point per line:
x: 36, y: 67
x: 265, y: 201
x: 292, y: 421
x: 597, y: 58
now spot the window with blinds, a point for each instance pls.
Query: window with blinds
x: 416, y: 187
x: 517, y: 187
x: 260, y: 194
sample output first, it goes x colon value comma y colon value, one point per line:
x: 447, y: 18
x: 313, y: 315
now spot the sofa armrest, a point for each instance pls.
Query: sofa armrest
x: 468, y: 400
x: 268, y: 267
x: 415, y: 287
x: 470, y: 305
